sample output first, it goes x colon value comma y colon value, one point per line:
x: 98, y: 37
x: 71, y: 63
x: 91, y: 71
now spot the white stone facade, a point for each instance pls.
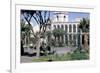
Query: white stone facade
x: 60, y: 20
x: 69, y: 27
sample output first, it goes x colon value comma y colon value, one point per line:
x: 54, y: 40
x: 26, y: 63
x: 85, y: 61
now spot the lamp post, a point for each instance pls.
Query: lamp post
x: 79, y: 39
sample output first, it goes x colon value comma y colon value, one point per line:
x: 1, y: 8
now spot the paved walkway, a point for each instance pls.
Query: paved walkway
x: 26, y: 59
x: 63, y: 50
x: 59, y: 50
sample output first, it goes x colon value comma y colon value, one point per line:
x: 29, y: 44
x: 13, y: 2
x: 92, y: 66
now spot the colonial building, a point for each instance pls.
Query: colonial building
x: 61, y: 21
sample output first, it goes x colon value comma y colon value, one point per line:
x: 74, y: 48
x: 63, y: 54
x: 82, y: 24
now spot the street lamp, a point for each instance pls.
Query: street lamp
x: 79, y: 39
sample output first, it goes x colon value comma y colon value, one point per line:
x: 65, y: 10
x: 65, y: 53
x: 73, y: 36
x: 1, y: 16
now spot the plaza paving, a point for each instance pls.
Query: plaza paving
x: 63, y: 50
x: 59, y: 50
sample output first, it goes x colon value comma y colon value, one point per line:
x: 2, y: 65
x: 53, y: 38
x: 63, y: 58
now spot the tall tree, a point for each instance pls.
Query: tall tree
x: 84, y: 25
x: 25, y: 33
x: 27, y: 15
x: 43, y: 19
x: 58, y: 33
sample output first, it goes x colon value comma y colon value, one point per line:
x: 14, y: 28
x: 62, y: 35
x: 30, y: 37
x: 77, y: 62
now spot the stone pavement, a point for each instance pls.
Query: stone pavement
x: 59, y: 50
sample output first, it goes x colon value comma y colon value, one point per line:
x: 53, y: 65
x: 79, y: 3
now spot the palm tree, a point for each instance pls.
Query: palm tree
x: 25, y: 36
x: 84, y: 25
x: 58, y: 33
x: 25, y: 33
x: 27, y: 16
x: 49, y: 34
x: 41, y: 17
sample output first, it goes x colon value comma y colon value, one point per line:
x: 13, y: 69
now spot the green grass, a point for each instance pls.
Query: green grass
x: 64, y: 57
x: 76, y: 55
x: 79, y: 56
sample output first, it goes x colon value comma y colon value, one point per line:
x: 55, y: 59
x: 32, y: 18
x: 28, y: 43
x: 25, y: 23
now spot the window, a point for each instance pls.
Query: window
x: 54, y: 26
x: 66, y: 28
x: 62, y: 37
x: 70, y: 36
x: 70, y: 28
x: 66, y: 39
x: 62, y: 27
x: 74, y: 39
x: 74, y: 28
x: 58, y: 27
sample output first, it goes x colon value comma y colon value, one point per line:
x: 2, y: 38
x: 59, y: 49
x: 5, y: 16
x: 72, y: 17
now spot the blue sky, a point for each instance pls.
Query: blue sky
x: 71, y: 16
x: 74, y: 15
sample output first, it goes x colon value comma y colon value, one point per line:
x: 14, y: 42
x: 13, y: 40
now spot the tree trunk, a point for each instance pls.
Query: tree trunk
x: 86, y: 42
x: 38, y: 44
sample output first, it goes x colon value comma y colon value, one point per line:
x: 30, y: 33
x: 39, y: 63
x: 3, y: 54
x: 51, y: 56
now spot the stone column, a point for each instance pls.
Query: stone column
x: 68, y: 33
x: 60, y: 38
x: 76, y: 28
x: 72, y: 28
x: 72, y: 35
x: 64, y: 35
x: 81, y: 38
x: 76, y: 34
x: 64, y: 38
x: 72, y: 39
x: 76, y: 39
